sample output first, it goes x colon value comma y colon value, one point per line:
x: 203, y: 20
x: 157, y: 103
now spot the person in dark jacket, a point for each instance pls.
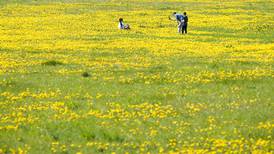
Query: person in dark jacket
x: 185, y: 21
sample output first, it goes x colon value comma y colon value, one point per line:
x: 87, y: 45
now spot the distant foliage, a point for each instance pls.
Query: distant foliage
x: 52, y: 63
x: 85, y: 74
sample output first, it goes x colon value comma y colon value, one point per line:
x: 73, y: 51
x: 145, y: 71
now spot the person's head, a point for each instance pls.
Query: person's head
x: 120, y: 19
x: 174, y: 12
x: 184, y: 13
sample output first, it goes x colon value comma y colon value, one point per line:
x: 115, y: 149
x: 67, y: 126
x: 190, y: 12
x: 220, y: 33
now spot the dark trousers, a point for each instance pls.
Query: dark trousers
x: 184, y: 29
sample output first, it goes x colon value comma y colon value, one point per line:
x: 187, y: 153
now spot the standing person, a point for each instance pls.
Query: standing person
x: 179, y: 18
x: 121, y: 24
x: 185, y: 21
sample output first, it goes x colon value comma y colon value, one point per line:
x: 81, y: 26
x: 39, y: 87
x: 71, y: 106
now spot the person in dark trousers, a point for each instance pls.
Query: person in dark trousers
x: 185, y: 21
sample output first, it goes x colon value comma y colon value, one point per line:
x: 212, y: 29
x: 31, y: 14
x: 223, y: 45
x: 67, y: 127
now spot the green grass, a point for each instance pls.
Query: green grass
x: 237, y: 104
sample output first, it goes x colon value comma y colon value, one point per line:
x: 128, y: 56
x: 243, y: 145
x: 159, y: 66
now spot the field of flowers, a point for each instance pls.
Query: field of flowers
x: 71, y: 82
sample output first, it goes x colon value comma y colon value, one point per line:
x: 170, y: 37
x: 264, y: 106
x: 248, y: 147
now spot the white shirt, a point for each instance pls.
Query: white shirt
x: 121, y: 25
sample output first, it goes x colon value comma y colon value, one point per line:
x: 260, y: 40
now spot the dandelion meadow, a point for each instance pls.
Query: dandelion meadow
x: 72, y: 82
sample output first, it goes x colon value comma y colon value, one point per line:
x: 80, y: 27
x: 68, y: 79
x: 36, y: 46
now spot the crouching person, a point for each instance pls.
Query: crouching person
x: 122, y: 25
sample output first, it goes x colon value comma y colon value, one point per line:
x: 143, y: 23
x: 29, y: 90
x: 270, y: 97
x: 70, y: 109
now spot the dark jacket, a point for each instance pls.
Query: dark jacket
x: 185, y: 18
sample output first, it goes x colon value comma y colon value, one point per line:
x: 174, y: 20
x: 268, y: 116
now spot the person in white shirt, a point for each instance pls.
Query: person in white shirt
x: 121, y: 24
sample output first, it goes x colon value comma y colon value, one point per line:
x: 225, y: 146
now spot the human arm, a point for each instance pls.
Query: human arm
x: 172, y: 17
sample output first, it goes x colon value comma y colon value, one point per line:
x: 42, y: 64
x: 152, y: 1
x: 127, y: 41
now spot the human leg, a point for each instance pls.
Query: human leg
x: 180, y: 27
x: 185, y: 28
